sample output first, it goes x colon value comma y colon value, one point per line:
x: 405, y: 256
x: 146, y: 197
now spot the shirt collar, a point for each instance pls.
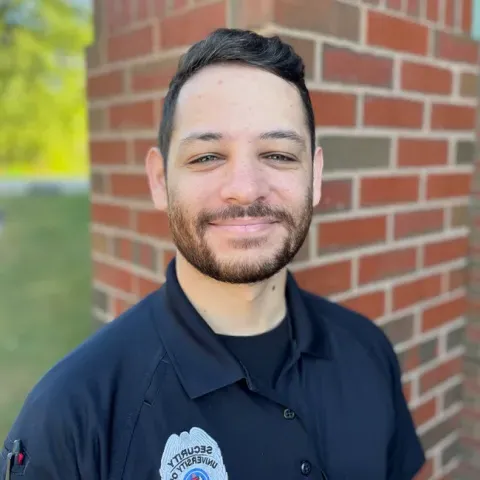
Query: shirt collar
x: 201, y: 360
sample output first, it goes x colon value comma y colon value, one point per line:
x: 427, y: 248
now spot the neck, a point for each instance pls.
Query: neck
x: 230, y: 309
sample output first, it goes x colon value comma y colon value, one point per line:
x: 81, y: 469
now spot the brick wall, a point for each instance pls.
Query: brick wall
x: 394, y: 86
x: 470, y: 438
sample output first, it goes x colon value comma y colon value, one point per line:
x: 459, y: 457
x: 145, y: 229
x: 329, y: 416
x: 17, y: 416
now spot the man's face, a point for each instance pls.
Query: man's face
x: 240, y: 189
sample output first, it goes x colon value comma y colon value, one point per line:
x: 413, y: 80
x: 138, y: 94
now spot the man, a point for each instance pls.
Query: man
x: 229, y: 370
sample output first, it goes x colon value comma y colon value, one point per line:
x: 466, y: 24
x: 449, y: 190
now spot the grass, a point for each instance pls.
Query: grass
x: 44, y: 291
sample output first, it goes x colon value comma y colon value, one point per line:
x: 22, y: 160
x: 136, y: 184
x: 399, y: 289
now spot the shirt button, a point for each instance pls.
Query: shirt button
x: 289, y: 414
x: 306, y: 468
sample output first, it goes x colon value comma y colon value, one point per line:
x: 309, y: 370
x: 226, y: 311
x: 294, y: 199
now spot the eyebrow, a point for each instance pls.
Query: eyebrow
x: 270, y: 135
x: 284, y: 135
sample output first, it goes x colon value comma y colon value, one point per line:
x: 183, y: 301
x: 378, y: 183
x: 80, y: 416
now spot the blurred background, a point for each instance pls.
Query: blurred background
x: 45, y: 273
x: 395, y: 88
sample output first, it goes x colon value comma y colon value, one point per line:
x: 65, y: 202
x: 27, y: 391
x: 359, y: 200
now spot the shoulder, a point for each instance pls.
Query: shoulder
x: 113, y: 366
x: 346, y: 325
x: 117, y: 352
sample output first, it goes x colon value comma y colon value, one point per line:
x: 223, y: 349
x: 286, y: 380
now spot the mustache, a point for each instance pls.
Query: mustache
x: 255, y: 210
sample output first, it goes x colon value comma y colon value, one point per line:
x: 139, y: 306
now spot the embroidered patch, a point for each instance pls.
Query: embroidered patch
x: 192, y: 455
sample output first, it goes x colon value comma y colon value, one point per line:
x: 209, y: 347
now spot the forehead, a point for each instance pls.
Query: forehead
x: 237, y: 99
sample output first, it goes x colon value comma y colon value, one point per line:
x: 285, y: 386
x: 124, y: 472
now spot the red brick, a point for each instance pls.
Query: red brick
x: 154, y: 75
x: 193, y: 25
x: 410, y: 359
x: 326, y: 279
x: 396, y: 33
x: 457, y: 278
x: 108, y: 152
x: 341, y: 234
x: 419, y: 152
x: 472, y: 332
x: 407, y: 391
x: 413, y: 7
x: 143, y: 10
x: 129, y: 185
x: 452, y: 117
x: 112, y: 215
x: 123, y: 248
x: 336, y: 196
x: 178, y: 4
x: 113, y: 276
x: 418, y: 223
x: 445, y: 251
x: 426, y: 78
x: 385, y: 190
x: 392, y: 112
x: 141, y: 115
x: 252, y: 14
x: 450, y: 13
x: 105, y: 84
x: 425, y: 412
x: 132, y: 44
x: 433, y: 10
x: 119, y: 306
x: 152, y: 223
x: 448, y: 185
x: 146, y: 286
x: 141, y: 146
x: 334, y: 109
x: 386, y: 265
x: 440, y: 374
x: 371, y: 305
x: 394, y: 4
x: 416, y: 291
x: 456, y: 48
x: 118, y: 14
x: 439, y: 315
x: 466, y: 20
x: 349, y: 67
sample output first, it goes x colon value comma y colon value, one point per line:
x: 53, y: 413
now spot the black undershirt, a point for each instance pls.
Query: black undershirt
x: 262, y: 355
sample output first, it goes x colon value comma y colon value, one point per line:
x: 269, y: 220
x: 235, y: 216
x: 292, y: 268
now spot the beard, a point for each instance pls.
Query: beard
x: 189, y: 236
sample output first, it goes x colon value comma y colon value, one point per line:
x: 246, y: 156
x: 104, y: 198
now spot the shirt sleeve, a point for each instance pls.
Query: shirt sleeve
x: 47, y: 433
x: 406, y: 454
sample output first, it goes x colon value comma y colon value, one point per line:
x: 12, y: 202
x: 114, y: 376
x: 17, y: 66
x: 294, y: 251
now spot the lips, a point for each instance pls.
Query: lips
x: 244, y: 225
x: 243, y: 222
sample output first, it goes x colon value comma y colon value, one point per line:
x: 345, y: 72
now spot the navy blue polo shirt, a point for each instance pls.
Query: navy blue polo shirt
x: 157, y: 394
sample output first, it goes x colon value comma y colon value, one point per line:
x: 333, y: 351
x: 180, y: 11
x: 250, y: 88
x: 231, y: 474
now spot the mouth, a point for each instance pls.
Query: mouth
x: 244, y: 225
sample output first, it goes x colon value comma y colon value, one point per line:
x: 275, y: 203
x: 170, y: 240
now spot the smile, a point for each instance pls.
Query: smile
x: 244, y: 225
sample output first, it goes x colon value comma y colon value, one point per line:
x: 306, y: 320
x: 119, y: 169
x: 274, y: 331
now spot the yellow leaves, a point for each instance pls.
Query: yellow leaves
x: 42, y: 94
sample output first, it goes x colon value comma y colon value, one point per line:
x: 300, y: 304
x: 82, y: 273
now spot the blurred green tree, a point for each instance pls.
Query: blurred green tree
x: 42, y: 85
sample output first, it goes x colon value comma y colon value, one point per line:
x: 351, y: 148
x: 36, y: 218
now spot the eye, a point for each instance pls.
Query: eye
x: 280, y: 157
x: 204, y: 159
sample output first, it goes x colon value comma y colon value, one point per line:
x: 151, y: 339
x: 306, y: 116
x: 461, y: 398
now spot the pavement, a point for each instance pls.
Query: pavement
x: 43, y: 187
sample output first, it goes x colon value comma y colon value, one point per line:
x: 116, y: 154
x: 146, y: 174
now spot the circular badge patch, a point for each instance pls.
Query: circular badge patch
x: 196, y: 474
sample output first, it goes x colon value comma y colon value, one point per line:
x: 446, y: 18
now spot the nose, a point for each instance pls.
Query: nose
x: 245, y: 181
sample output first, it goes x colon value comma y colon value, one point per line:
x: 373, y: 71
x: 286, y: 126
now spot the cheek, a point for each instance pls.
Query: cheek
x: 187, y: 194
x: 292, y: 191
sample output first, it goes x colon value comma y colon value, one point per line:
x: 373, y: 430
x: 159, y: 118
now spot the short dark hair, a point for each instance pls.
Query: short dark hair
x: 226, y: 45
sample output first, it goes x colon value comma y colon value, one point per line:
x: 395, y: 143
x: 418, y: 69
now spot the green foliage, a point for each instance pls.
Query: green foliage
x: 42, y: 86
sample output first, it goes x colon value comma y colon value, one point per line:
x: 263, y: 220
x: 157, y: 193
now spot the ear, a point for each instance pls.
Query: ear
x: 155, y: 168
x: 317, y: 176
